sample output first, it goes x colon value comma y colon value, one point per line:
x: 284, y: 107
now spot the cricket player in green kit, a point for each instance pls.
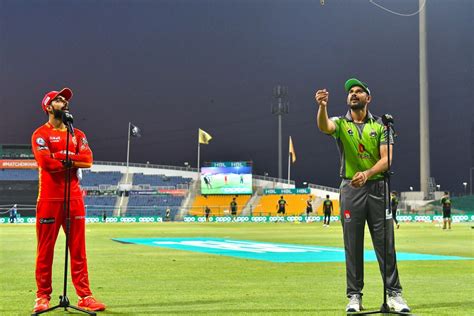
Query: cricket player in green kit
x: 362, y: 144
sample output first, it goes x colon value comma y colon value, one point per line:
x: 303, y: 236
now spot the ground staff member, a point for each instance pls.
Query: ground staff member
x: 362, y: 142
x: 49, y: 148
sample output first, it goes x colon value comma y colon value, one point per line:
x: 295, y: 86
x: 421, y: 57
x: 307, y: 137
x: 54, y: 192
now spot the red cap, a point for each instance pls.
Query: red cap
x: 50, y: 96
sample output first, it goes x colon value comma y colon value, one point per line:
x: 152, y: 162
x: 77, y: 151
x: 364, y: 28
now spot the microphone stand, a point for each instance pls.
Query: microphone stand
x: 387, y: 120
x: 63, y: 299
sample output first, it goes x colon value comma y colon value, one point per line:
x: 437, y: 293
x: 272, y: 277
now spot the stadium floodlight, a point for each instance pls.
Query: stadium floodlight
x: 411, y: 188
x: 465, y: 187
x: 438, y: 187
x: 186, y: 164
x: 281, y: 108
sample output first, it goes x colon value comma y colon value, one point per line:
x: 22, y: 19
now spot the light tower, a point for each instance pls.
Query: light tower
x: 282, y: 107
x: 424, y: 106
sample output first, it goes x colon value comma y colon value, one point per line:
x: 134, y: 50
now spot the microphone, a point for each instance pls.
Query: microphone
x: 387, y: 120
x: 68, y: 119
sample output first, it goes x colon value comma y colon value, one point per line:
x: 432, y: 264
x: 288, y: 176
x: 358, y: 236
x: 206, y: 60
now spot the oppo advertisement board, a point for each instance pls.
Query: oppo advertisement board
x: 226, y: 178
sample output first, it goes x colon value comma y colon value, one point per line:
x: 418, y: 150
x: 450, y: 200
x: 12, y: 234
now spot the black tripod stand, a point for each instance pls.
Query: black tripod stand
x: 387, y: 120
x: 63, y: 299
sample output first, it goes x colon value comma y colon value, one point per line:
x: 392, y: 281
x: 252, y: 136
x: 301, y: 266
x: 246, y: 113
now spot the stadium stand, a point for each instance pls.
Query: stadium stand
x: 153, y: 205
x: 97, y: 204
x: 94, y: 179
x: 18, y: 175
x: 296, y: 205
x: 219, y: 204
x: 159, y: 180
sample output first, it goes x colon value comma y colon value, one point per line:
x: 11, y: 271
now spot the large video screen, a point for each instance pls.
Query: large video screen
x: 226, y: 178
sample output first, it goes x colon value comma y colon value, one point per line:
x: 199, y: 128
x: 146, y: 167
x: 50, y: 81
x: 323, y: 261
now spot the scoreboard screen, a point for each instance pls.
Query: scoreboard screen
x: 226, y: 178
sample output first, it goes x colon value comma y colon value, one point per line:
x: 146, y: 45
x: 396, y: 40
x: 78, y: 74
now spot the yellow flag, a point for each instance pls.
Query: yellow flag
x: 204, y: 137
x: 292, y: 151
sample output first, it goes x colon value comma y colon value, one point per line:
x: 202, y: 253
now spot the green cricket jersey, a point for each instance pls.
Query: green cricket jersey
x: 359, y: 144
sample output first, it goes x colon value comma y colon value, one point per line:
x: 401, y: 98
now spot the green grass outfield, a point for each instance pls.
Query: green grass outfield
x: 142, y: 280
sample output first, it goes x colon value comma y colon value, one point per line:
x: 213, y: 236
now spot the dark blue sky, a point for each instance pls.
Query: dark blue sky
x: 173, y: 66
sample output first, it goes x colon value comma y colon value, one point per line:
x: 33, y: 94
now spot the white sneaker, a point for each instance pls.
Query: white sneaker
x: 355, y: 304
x: 397, y: 303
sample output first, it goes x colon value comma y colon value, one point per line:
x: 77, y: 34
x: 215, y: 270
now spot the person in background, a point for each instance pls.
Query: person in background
x: 327, y: 208
x: 281, y: 206
x: 207, y: 212
x: 13, y: 213
x: 446, y: 203
x: 309, y: 206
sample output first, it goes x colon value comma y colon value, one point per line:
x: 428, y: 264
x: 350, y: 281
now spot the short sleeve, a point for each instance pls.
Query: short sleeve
x: 337, y: 122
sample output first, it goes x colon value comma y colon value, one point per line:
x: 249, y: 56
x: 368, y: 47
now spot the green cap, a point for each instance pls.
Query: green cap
x: 356, y: 82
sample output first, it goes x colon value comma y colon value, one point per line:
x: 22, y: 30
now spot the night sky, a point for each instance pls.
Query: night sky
x: 173, y: 66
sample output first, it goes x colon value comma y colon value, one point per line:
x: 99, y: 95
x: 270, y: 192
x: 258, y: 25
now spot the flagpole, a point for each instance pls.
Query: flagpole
x: 128, y: 150
x: 289, y: 167
x: 199, y: 155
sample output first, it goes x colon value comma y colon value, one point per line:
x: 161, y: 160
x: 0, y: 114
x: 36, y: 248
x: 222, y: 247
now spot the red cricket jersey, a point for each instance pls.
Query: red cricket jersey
x: 49, y: 148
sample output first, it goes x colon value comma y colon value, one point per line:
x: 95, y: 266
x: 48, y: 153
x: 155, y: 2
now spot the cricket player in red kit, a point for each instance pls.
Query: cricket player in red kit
x: 49, y: 147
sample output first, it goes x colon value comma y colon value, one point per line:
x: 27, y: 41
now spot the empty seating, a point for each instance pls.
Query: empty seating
x: 18, y: 175
x: 153, y: 205
x: 96, y: 205
x: 158, y: 180
x: 94, y: 179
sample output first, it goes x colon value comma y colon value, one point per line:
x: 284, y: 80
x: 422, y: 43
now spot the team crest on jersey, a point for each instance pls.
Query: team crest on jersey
x: 373, y: 134
x: 350, y: 132
x: 347, y: 216
x: 41, y: 142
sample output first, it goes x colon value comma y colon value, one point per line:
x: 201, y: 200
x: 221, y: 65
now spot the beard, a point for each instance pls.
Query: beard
x: 358, y: 106
x: 58, y: 114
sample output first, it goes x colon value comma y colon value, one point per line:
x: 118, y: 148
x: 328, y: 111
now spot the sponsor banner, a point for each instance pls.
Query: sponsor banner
x: 287, y: 191
x: 173, y: 191
x: 228, y: 164
x: 144, y: 192
x: 18, y: 164
x: 247, y: 219
x: 146, y: 219
x: 309, y: 219
x: 257, y: 219
x: 159, y: 192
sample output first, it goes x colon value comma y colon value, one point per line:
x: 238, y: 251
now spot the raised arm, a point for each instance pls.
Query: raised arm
x: 325, y: 125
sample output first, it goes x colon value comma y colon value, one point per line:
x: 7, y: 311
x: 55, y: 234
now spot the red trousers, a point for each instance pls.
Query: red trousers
x: 50, y: 216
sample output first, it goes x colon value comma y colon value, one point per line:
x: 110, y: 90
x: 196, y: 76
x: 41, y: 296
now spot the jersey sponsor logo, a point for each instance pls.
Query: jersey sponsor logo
x: 41, y: 148
x: 40, y: 141
x: 361, y: 148
x: 347, y: 216
x: 55, y: 139
x: 49, y: 220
